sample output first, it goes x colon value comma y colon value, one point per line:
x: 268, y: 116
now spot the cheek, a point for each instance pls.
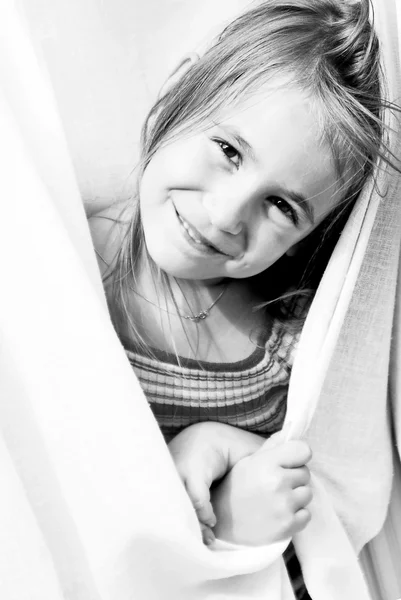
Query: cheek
x: 271, y: 242
x: 181, y: 164
x: 269, y: 245
x: 188, y: 166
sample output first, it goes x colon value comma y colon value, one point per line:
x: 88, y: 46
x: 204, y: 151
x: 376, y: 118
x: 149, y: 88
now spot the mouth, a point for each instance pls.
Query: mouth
x: 196, y: 239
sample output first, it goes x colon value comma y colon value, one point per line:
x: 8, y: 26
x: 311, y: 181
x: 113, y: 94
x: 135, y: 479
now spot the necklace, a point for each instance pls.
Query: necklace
x: 203, y: 314
x: 200, y: 316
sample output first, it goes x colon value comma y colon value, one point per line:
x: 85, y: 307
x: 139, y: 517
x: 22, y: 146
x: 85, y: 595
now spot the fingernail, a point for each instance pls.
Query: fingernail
x: 209, y: 539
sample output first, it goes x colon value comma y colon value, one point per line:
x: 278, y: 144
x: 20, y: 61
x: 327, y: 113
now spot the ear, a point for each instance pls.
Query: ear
x: 182, y: 67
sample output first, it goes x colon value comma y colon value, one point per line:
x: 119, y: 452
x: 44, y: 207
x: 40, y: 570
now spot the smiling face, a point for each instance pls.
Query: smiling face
x: 229, y: 200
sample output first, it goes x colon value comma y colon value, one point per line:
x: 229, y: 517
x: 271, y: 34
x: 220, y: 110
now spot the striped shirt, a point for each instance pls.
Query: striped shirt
x: 250, y: 394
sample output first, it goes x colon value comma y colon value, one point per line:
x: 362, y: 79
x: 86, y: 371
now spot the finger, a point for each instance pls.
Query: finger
x: 301, y: 497
x: 208, y: 536
x: 294, y: 454
x: 274, y: 440
x: 298, y: 477
x: 199, y: 494
x: 301, y: 519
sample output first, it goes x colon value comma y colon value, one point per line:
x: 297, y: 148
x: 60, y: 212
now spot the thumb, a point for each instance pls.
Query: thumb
x: 274, y: 440
x: 199, y: 494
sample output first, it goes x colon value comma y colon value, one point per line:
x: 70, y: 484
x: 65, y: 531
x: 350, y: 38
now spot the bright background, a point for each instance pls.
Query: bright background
x: 106, y: 75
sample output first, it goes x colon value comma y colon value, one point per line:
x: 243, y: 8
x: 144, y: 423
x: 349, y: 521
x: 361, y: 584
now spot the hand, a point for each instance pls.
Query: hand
x: 263, y: 499
x: 203, y: 453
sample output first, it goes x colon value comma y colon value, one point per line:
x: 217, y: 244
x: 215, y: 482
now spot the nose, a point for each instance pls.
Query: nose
x: 227, y: 212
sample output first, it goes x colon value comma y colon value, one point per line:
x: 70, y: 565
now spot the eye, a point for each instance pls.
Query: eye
x: 285, y: 207
x: 229, y: 152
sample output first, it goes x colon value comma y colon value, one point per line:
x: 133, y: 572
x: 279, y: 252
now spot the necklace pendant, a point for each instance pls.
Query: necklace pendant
x: 200, y: 316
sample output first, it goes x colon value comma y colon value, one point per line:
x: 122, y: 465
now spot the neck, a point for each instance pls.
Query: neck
x: 186, y: 294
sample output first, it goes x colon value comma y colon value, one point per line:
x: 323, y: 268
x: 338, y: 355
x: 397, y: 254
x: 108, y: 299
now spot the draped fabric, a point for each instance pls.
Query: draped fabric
x: 91, y: 506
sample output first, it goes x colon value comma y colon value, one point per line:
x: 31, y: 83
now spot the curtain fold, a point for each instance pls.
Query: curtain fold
x: 91, y: 506
x: 382, y: 556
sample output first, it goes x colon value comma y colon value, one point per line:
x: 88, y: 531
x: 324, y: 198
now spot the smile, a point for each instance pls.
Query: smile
x: 201, y: 243
x: 190, y: 231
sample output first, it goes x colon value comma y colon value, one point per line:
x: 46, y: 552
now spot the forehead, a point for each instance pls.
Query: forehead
x: 283, y: 127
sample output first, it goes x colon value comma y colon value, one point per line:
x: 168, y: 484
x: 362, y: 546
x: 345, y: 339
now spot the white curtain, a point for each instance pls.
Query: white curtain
x: 90, y: 504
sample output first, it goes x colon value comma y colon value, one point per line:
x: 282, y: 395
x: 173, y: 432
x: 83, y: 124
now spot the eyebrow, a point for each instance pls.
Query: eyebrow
x: 303, y: 203
x: 296, y: 197
x: 242, y: 143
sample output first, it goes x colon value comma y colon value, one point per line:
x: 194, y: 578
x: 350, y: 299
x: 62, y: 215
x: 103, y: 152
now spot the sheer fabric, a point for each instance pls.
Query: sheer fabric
x: 91, y: 506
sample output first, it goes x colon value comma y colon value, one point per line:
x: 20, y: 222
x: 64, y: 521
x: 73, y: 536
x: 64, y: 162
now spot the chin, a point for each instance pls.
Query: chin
x: 185, y: 273
x: 171, y: 265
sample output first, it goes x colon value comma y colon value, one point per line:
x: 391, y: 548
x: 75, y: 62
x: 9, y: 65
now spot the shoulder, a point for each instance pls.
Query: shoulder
x: 107, y: 227
x: 286, y: 332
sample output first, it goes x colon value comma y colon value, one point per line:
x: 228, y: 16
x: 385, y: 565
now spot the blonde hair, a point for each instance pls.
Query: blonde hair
x: 326, y: 47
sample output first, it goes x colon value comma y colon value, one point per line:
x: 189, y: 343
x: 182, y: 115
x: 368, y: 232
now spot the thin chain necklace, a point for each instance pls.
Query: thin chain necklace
x: 200, y: 316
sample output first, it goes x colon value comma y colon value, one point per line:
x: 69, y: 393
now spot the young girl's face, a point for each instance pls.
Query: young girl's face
x: 230, y: 199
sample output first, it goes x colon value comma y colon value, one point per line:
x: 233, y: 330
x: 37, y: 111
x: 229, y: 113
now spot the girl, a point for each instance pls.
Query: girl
x: 252, y: 159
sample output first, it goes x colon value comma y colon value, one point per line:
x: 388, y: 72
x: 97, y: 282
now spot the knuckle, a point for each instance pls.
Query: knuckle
x: 302, y: 496
x: 305, y: 450
x: 211, y: 520
x: 275, y: 485
x: 278, y: 488
x: 198, y: 503
x: 287, y: 522
x: 301, y: 448
x: 207, y: 534
x: 308, y: 495
x: 183, y: 471
x: 286, y: 511
x: 271, y: 480
x: 306, y: 474
x: 306, y: 517
x: 303, y: 517
x: 303, y: 493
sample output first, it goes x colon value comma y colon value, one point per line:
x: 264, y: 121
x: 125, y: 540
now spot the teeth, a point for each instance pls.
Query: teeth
x: 189, y: 231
